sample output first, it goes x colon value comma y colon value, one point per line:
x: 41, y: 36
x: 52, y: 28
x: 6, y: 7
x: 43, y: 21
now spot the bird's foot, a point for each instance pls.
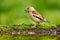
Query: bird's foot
x: 33, y: 27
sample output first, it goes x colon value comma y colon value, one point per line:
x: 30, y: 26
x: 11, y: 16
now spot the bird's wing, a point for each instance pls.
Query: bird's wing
x: 38, y: 15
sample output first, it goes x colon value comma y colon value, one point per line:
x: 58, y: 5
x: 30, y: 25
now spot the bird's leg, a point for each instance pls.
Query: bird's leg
x: 35, y: 26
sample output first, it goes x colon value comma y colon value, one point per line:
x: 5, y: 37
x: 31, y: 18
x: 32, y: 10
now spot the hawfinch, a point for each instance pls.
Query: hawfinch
x: 35, y: 16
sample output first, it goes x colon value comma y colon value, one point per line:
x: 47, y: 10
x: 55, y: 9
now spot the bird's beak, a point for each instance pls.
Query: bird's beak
x: 25, y: 10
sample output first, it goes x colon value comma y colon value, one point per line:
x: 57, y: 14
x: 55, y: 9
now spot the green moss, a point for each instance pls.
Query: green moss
x: 28, y: 26
x: 6, y: 37
x: 9, y: 37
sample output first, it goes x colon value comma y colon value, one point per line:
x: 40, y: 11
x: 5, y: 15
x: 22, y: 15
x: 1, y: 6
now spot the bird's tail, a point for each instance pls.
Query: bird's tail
x: 46, y: 21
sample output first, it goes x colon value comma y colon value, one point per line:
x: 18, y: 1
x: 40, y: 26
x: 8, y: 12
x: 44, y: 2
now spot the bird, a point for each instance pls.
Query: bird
x: 35, y: 15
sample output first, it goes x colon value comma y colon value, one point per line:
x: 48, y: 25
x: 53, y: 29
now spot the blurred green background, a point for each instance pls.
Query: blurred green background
x: 12, y: 11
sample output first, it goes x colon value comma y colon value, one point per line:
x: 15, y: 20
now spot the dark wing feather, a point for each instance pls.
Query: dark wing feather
x: 37, y: 13
x: 39, y: 16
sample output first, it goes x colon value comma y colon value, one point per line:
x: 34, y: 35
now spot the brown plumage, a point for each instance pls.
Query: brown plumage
x: 37, y: 13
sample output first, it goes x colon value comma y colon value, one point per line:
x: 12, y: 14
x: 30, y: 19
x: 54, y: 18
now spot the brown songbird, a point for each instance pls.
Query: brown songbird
x: 35, y: 15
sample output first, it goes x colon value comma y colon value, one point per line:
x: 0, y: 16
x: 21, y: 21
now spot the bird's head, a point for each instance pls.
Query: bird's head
x: 29, y: 9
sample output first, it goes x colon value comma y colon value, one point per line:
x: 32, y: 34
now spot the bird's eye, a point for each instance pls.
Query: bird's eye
x: 27, y: 8
x: 28, y: 11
